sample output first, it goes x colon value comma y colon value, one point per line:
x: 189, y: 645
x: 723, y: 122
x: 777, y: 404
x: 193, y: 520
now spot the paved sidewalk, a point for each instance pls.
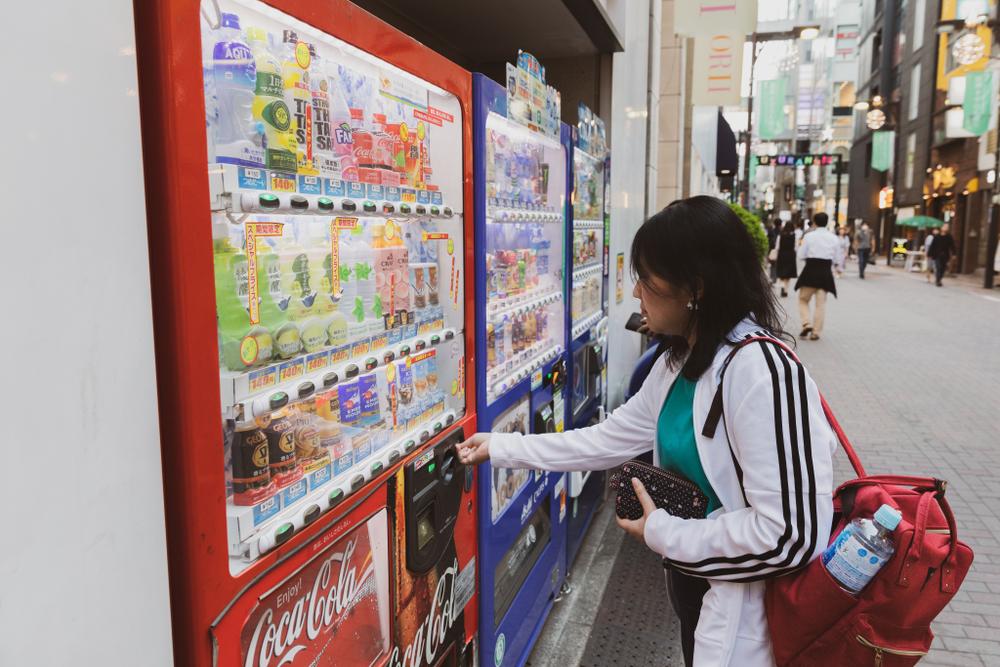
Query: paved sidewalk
x: 913, y: 373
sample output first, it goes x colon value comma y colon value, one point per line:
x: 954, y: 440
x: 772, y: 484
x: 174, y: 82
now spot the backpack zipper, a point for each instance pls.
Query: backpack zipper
x: 880, y: 650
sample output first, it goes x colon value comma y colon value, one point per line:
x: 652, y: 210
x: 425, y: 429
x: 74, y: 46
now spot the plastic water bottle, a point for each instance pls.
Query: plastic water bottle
x: 861, y: 549
x: 234, y: 78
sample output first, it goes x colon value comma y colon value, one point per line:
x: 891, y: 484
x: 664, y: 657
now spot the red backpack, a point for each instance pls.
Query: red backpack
x: 813, y: 621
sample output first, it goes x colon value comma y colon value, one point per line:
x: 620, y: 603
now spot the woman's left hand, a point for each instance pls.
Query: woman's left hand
x: 637, y: 527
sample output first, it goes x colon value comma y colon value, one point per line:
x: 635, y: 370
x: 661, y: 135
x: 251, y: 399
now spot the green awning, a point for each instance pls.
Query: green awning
x: 920, y: 222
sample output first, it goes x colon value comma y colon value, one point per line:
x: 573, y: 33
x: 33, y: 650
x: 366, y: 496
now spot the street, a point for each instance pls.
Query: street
x: 910, y: 370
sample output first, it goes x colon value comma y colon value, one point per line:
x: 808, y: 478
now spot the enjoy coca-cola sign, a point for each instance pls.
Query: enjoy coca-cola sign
x: 335, y: 608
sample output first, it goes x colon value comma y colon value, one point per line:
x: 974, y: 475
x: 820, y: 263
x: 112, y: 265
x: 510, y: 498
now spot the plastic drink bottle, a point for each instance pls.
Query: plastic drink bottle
x: 319, y: 87
x: 275, y: 303
x: 234, y: 76
x: 297, y: 289
x: 861, y: 549
x: 270, y: 111
x: 295, y: 62
x: 241, y: 345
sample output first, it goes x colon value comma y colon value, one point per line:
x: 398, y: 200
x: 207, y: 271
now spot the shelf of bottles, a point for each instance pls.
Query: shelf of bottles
x: 588, y: 242
x: 338, y: 267
x: 525, y: 223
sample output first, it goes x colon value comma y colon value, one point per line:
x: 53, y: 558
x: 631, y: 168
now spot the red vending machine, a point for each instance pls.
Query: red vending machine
x: 309, y: 188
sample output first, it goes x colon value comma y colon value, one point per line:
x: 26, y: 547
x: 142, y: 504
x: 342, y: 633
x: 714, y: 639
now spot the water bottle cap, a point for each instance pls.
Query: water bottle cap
x: 230, y: 21
x: 888, y: 517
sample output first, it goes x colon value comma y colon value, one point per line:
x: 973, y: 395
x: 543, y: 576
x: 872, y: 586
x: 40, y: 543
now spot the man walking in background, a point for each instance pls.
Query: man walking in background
x: 819, y: 248
x: 941, y: 250
x: 863, y: 244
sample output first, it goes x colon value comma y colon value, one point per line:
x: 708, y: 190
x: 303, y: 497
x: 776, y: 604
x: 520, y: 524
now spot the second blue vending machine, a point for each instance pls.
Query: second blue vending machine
x: 587, y: 326
x: 520, y: 229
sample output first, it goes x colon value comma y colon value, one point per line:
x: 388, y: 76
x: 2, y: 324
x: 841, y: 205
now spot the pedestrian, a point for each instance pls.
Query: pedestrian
x: 928, y: 262
x: 863, y: 246
x: 768, y: 475
x: 941, y: 250
x: 843, y: 250
x: 785, y: 266
x: 772, y: 255
x: 819, y: 248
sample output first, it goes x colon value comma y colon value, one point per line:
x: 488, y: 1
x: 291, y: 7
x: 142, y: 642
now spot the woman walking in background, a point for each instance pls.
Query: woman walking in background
x: 786, y: 267
x: 840, y: 264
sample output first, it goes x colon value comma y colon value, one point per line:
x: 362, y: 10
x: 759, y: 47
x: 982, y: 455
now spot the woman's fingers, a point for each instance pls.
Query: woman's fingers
x: 648, y: 506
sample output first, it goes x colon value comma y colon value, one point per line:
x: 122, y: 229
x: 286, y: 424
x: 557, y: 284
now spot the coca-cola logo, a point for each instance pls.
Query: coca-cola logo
x: 432, y: 633
x: 298, y: 615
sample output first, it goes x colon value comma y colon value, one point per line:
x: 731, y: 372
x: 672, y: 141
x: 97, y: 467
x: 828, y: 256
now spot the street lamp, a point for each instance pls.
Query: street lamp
x: 806, y: 32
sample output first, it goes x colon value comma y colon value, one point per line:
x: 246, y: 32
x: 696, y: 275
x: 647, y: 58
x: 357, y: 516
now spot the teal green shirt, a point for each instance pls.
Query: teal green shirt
x: 675, y: 438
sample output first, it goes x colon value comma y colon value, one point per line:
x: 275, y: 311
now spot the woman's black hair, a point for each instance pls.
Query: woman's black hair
x: 701, y: 245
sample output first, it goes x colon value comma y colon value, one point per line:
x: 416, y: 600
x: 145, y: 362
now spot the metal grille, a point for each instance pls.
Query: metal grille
x: 635, y: 625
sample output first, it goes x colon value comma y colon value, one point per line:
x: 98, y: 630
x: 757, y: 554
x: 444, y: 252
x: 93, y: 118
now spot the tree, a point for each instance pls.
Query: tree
x: 754, y: 228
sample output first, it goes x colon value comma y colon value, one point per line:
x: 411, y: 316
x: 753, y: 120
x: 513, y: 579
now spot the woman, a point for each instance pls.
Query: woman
x: 769, y: 481
x: 787, y: 268
x: 844, y: 250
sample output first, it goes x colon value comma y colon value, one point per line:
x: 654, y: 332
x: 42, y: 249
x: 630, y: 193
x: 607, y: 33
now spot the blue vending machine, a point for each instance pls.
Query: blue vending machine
x: 520, y: 231
x: 587, y: 323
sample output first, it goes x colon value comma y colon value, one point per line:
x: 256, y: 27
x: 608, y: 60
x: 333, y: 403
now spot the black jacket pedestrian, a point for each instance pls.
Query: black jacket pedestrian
x: 943, y: 246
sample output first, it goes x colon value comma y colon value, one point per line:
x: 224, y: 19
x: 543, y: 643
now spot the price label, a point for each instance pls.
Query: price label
x: 282, y: 182
x: 291, y: 370
x: 253, y: 231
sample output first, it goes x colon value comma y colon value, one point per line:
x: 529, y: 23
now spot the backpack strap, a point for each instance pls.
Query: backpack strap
x: 715, y: 411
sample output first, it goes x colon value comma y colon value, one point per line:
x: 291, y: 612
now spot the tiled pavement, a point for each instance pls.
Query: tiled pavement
x: 913, y: 372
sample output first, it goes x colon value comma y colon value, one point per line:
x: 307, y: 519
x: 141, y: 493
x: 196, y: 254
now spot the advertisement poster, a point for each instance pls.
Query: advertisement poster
x: 333, y: 610
x: 506, y: 482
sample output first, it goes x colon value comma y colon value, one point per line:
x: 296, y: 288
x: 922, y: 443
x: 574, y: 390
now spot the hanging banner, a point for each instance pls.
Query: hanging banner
x: 882, y: 143
x: 718, y: 69
x: 771, y: 123
x: 977, y: 107
x: 705, y: 17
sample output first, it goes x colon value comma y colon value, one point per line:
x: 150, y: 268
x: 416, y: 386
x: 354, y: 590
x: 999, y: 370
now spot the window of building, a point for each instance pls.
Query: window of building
x: 918, y: 24
x: 911, y: 156
x: 914, y: 92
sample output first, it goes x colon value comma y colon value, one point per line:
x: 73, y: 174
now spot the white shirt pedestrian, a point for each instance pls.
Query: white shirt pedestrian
x: 819, y: 244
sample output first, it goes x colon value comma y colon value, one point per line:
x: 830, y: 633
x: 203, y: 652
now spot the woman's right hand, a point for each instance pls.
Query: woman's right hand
x: 474, y: 450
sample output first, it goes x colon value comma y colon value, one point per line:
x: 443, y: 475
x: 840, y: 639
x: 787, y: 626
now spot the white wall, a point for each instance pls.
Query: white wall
x: 83, y: 574
x: 629, y: 172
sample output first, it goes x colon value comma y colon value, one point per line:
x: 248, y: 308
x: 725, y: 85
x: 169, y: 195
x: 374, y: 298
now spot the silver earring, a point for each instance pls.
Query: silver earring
x: 692, y: 305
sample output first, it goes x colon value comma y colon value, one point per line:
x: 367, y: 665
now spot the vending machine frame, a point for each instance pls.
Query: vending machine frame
x: 506, y: 637
x: 184, y: 312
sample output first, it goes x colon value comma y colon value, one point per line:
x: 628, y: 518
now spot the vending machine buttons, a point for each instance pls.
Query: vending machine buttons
x: 405, y: 209
x: 369, y: 207
x: 377, y: 468
x: 311, y: 514
x: 388, y: 208
x: 335, y: 497
x: 371, y: 363
x: 348, y: 205
x: 357, y: 482
x: 268, y: 201
x: 409, y: 446
x: 299, y: 203
x: 421, y: 209
x: 325, y: 204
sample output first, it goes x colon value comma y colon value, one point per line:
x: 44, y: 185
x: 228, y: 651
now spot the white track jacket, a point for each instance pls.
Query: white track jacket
x: 776, y: 521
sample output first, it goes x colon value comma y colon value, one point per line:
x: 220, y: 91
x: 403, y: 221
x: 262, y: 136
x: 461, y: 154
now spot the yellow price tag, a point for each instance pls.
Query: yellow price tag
x: 390, y: 372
